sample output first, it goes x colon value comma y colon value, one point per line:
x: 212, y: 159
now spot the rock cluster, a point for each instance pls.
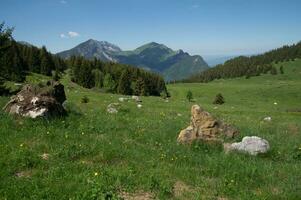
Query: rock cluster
x: 38, y: 101
x: 204, y: 126
x: 113, y: 108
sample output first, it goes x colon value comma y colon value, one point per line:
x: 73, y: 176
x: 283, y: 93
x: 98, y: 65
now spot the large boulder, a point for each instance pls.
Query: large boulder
x: 38, y: 101
x: 252, y: 145
x: 204, y: 126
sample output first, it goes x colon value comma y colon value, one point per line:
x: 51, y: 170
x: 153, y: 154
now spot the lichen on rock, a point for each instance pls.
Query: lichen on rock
x: 38, y: 101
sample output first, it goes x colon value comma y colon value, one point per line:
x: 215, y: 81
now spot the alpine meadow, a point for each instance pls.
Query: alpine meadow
x: 146, y: 117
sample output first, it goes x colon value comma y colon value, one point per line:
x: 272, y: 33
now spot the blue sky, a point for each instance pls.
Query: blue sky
x: 205, y: 27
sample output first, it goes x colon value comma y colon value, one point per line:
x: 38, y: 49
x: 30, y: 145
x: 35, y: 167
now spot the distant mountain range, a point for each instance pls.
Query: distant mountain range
x: 173, y: 65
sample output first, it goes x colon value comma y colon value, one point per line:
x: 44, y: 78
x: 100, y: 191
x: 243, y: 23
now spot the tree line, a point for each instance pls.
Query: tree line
x: 115, y: 77
x: 17, y: 59
x: 249, y: 66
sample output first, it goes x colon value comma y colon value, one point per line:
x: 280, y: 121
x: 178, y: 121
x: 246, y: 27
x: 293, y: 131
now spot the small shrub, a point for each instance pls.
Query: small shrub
x: 85, y: 99
x: 189, y: 96
x: 219, y: 99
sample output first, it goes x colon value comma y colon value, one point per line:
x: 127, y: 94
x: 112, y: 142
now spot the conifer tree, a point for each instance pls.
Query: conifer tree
x: 46, y: 62
x: 109, y: 83
x: 98, y: 78
x: 139, y: 87
x: 124, y: 85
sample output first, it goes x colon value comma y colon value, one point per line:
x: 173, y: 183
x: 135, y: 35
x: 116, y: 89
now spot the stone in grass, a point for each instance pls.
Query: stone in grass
x: 136, y: 98
x: 123, y: 99
x: 204, y: 126
x: 252, y: 145
x: 112, y: 108
x: 38, y: 101
x: 267, y: 119
x: 139, y: 106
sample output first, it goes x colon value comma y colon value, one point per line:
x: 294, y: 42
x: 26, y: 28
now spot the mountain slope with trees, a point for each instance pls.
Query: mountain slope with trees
x: 173, y: 65
x: 249, y: 66
x: 18, y: 58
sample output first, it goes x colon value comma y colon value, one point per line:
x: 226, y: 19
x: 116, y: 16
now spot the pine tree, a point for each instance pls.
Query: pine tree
x: 98, y: 78
x: 46, y: 62
x: 139, y: 87
x: 109, y: 83
x: 124, y: 85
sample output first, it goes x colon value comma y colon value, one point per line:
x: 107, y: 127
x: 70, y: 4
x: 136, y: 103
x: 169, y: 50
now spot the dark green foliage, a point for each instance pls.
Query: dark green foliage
x: 281, y: 70
x: 16, y: 59
x: 124, y: 85
x: 85, y: 99
x: 46, y: 62
x: 109, y: 83
x: 249, y: 66
x: 274, y: 71
x: 56, y: 75
x: 139, y: 87
x: 10, y: 59
x: 219, y: 99
x: 98, y: 78
x: 115, y: 77
x: 189, y: 96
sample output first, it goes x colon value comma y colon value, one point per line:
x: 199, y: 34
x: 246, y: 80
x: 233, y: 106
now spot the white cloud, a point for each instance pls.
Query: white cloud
x: 63, y: 2
x: 62, y: 35
x: 73, y: 34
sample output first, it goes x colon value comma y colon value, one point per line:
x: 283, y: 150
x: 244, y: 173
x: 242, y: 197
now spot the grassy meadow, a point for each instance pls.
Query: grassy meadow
x: 91, y: 154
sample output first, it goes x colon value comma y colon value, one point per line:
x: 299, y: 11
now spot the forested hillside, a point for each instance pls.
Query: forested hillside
x: 18, y: 59
x: 249, y: 66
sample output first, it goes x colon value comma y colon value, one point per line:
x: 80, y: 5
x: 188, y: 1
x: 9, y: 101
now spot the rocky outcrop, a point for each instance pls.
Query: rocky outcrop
x: 204, y: 126
x: 252, y: 145
x: 38, y: 101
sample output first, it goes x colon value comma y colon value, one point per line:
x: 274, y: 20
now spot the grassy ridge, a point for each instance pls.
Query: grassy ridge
x: 93, y: 153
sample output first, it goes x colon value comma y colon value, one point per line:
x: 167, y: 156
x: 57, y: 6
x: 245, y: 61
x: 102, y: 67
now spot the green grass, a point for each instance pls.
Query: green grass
x: 136, y: 149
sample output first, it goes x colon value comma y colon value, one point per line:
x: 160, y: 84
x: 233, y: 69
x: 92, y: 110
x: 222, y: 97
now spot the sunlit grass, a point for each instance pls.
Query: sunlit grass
x: 92, y: 153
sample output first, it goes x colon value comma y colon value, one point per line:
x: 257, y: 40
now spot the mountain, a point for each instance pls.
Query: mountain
x: 93, y: 49
x: 173, y: 65
x: 26, y: 43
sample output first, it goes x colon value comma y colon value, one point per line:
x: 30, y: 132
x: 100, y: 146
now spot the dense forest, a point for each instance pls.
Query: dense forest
x: 115, y: 77
x: 17, y: 59
x: 249, y: 66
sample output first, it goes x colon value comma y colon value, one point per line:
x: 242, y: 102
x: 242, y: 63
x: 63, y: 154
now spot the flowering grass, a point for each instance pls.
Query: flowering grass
x: 92, y: 154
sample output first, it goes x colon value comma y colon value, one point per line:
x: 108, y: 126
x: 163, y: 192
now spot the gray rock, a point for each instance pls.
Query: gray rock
x: 267, y: 119
x: 38, y: 101
x: 123, y: 99
x: 112, y: 108
x: 136, y: 98
x: 252, y: 145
